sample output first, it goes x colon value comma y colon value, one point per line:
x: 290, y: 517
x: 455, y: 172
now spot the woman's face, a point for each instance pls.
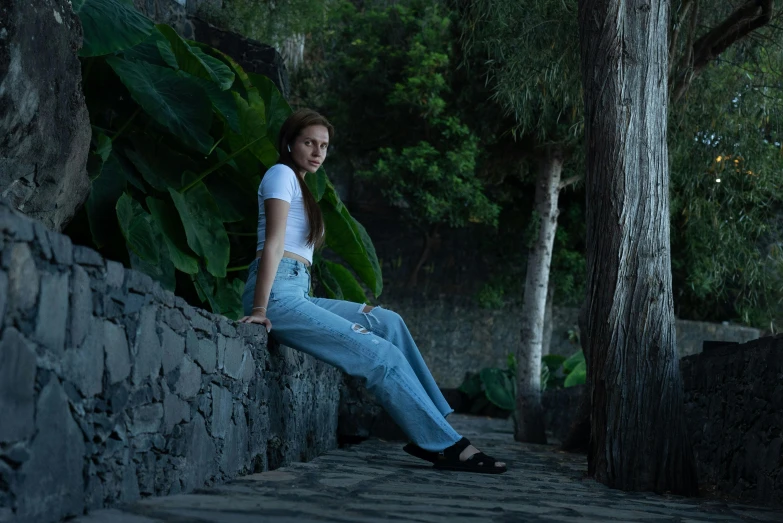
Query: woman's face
x: 309, y: 148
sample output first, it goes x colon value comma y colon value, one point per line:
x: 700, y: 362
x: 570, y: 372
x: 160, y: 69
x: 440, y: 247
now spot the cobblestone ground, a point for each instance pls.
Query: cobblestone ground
x: 376, y: 481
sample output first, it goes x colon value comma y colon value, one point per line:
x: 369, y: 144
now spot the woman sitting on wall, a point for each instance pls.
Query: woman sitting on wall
x: 369, y: 342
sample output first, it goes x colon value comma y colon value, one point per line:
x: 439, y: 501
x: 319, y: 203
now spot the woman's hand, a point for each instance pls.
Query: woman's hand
x: 257, y: 317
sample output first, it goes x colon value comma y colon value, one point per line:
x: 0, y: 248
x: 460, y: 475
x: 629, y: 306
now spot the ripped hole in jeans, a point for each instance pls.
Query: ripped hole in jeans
x: 359, y: 329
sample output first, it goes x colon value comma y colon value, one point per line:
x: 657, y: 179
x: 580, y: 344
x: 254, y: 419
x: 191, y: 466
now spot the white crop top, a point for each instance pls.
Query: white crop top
x: 280, y: 182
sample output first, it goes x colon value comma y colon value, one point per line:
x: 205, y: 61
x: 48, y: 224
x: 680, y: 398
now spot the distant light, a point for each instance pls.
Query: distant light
x: 719, y: 158
x: 717, y: 180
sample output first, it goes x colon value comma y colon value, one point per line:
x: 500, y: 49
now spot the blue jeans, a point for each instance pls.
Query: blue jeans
x: 375, y: 345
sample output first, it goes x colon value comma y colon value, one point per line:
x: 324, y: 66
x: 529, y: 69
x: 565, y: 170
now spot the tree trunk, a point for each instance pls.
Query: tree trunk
x: 638, y: 436
x: 529, y: 415
x: 546, y: 341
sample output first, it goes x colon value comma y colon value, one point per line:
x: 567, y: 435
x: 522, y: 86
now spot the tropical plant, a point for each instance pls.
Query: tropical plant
x: 181, y: 138
x: 497, y: 386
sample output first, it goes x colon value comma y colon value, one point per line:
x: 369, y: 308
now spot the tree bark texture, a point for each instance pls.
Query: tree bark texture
x: 529, y: 415
x: 546, y: 341
x: 638, y: 436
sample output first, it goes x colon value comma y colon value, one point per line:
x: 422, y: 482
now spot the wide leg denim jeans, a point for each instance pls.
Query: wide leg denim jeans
x: 375, y: 345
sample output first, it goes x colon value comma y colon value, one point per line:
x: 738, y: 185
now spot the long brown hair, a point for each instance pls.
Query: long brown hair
x: 290, y: 130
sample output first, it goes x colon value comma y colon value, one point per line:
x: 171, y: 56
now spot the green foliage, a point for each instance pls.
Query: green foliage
x: 498, y: 387
x: 181, y: 137
x: 532, y: 58
x: 110, y: 25
x: 267, y: 21
x: 727, y: 190
x: 387, y: 77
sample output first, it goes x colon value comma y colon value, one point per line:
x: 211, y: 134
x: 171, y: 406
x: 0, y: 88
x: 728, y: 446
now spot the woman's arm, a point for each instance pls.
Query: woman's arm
x: 274, y: 244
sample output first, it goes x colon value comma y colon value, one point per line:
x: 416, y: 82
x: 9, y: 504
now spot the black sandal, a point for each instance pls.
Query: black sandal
x: 418, y: 452
x: 479, y: 462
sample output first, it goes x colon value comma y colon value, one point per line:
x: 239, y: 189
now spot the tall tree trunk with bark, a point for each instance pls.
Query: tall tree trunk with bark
x: 638, y: 435
x: 529, y: 415
x: 546, y: 341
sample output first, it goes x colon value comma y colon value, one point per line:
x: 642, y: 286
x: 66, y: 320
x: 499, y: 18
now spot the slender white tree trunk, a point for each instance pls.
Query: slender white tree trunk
x: 529, y: 413
x: 546, y: 342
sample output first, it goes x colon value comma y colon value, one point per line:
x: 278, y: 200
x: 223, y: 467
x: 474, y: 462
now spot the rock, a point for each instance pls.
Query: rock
x: 201, y: 323
x: 62, y: 249
x: 138, y: 281
x: 86, y: 256
x: 52, y: 312
x: 17, y: 387
x: 14, y: 224
x: 146, y: 350
x: 83, y: 366
x: 115, y: 274
x: 175, y: 320
x: 200, y: 454
x: 134, y: 302
x: 115, y: 347
x: 206, y: 355
x: 81, y: 305
x: 222, y: 408
x: 23, y: 278
x: 52, y: 484
x: 174, y: 411
x: 46, y: 130
x: 234, y: 358
x: 146, y: 419
x: 43, y: 240
x: 173, y: 348
x: 189, y: 382
x: 3, y: 295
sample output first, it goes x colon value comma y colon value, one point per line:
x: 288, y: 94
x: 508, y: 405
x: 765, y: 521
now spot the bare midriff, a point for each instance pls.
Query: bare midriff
x: 288, y: 254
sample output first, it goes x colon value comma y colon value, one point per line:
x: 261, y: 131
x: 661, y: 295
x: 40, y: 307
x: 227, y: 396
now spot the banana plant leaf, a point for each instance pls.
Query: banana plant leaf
x: 204, y: 229
x: 349, y: 287
x: 179, y: 104
x: 135, y: 226
x: 173, y: 234
x: 109, y: 26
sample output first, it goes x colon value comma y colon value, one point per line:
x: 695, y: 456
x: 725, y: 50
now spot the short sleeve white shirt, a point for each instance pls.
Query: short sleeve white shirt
x: 280, y: 183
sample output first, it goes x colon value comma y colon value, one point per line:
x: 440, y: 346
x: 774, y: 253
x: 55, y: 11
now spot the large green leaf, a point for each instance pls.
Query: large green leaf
x: 327, y: 280
x: 173, y: 235
x: 277, y: 109
x: 105, y: 190
x: 194, y: 61
x: 347, y: 237
x: 231, y: 201
x: 317, y: 183
x: 110, y: 26
x: 472, y: 386
x: 161, y: 166
x: 577, y: 376
x: 224, y: 295
x: 351, y: 290
x: 253, y: 130
x: 571, y: 363
x: 163, y: 271
x: 135, y: 226
x: 223, y: 101
x: 155, y: 49
x: 499, y: 388
x: 204, y: 229
x: 177, y: 103
x: 553, y: 361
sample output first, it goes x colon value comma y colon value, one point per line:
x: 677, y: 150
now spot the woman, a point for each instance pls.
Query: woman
x: 364, y: 341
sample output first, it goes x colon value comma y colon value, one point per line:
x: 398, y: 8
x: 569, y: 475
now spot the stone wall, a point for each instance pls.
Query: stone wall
x: 112, y: 388
x: 734, y: 410
x: 457, y: 336
x: 44, y: 125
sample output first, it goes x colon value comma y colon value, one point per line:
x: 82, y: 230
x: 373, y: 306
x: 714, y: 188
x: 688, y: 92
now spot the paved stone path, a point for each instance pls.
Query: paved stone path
x: 376, y: 481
